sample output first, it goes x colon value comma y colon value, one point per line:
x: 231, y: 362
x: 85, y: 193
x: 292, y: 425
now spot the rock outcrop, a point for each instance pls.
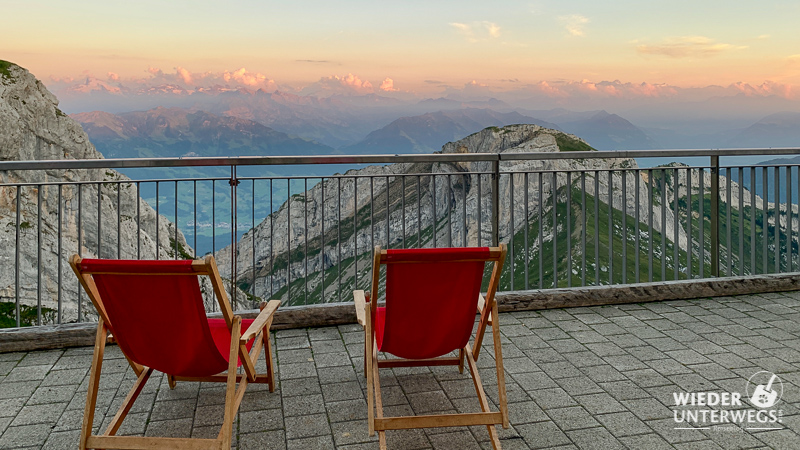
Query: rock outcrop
x: 33, y: 128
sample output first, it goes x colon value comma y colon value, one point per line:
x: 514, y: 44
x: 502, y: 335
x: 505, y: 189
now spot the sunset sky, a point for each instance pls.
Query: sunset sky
x: 417, y: 45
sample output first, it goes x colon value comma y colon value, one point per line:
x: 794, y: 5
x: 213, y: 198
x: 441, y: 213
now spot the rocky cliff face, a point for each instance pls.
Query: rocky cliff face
x: 288, y: 252
x: 33, y: 128
x: 278, y: 250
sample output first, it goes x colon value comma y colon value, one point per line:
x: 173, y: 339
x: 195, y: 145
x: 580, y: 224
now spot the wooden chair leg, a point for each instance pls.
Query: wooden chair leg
x: 368, y: 363
x: 501, y: 375
x: 270, y: 361
x: 126, y: 406
x: 230, y: 392
x: 171, y: 381
x: 94, y: 383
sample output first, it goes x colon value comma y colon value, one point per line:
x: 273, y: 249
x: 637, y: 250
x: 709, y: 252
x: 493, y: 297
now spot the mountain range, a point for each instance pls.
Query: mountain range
x: 174, y: 132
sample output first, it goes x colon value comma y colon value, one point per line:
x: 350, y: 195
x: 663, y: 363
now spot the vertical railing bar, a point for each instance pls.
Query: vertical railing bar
x: 765, y: 219
x: 39, y: 256
x: 372, y: 211
x: 16, y: 259
x: 525, y: 227
x: 650, y: 189
x: 339, y: 235
x: 157, y: 223
x: 355, y: 231
x: 597, y: 227
x: 305, y: 240
x: 729, y: 249
x: 675, y: 224
x: 253, y: 235
x: 194, y: 200
x: 388, y: 241
x: 797, y: 187
x: 689, y: 243
x: 288, y: 241
x: 610, y: 227
x: 59, y: 257
x: 788, y: 218
x: 119, y: 220
x: 234, y: 182
x: 138, y: 221
x: 463, y: 208
x: 752, y: 220
x: 777, y: 178
x: 714, y: 213
x: 419, y: 214
x: 554, y: 193
x: 741, y: 220
x: 403, y: 208
x: 495, y: 202
x: 569, y: 228
x: 583, y: 228
x: 701, y: 223
x: 636, y: 213
x: 663, y: 224
x: 176, y: 219
x: 99, y: 222
x: 80, y: 246
x: 322, y: 242
x: 449, y: 210
x: 624, y: 210
x: 478, y: 210
x: 433, y: 205
x: 213, y: 225
x: 511, y: 261
x: 271, y: 241
x: 541, y: 231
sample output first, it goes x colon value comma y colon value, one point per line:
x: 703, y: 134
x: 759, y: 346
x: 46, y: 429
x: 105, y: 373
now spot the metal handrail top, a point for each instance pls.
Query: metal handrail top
x: 112, y: 163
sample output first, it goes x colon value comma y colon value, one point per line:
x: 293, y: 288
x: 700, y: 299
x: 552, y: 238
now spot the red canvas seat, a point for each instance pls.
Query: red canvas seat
x: 431, y: 298
x: 155, y: 312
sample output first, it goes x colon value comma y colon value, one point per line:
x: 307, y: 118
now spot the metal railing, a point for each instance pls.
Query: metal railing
x: 570, y: 219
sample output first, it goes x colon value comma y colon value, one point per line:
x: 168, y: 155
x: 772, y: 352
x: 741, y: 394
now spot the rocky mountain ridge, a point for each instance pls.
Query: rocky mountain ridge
x: 32, y: 127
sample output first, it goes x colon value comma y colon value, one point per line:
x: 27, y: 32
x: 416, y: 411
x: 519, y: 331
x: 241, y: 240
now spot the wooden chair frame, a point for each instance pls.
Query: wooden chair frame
x: 487, y: 308
x: 258, y: 330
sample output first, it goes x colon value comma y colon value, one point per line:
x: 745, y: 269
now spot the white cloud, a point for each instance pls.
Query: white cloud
x: 688, y: 46
x: 574, y: 24
x: 478, y: 31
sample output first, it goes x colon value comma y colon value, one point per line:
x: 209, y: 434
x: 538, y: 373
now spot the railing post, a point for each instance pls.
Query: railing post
x: 233, y: 182
x: 714, y: 216
x: 496, y: 202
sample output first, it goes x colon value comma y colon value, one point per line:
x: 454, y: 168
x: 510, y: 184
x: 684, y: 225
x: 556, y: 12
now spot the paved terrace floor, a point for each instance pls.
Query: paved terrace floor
x: 597, y: 377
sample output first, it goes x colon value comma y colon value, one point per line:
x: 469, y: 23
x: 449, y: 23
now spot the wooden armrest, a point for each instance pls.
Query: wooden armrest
x: 261, y: 320
x: 361, y: 306
x: 481, y: 303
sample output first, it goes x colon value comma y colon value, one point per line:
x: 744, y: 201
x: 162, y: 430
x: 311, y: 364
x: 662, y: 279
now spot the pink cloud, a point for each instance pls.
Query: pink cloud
x: 388, y: 85
x: 346, y: 85
x: 185, y: 75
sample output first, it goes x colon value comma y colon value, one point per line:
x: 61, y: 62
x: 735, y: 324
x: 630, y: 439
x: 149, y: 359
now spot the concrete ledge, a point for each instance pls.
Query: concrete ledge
x: 647, y: 292
x: 75, y: 335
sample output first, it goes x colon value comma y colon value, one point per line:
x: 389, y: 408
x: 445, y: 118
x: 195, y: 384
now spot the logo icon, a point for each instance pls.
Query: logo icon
x: 764, y: 395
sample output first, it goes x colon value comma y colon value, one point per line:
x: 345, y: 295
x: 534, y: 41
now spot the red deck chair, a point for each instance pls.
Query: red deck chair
x: 154, y: 311
x: 431, y: 299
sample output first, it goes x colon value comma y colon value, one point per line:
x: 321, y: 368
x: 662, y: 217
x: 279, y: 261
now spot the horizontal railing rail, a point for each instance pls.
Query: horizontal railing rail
x: 307, y: 239
x: 127, y: 163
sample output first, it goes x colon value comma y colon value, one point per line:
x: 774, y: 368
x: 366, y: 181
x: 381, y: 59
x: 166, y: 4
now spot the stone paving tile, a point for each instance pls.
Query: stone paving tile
x: 598, y: 377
